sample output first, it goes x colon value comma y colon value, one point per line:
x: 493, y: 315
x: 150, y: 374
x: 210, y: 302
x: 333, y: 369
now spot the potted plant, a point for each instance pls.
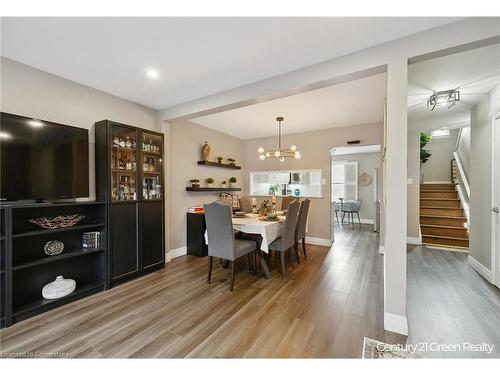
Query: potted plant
x: 219, y: 159
x: 223, y: 184
x: 424, y: 153
x: 210, y: 181
x: 233, y: 183
x: 231, y: 161
x: 274, y: 189
x: 195, y: 183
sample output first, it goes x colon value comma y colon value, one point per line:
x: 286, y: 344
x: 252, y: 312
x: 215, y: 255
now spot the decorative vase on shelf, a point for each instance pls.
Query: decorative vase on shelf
x: 234, y: 184
x: 205, y: 151
x: 58, y: 288
x: 223, y: 185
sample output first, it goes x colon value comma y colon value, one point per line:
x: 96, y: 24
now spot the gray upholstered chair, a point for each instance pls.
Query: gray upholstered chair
x: 221, y: 241
x: 246, y: 205
x: 300, y: 232
x: 351, y: 208
x: 285, y: 202
x: 287, y: 239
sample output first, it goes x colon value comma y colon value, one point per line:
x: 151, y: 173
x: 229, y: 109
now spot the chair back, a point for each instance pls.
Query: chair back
x: 285, y: 202
x: 300, y: 232
x: 246, y: 205
x: 220, y: 230
x: 288, y: 235
x: 356, y: 205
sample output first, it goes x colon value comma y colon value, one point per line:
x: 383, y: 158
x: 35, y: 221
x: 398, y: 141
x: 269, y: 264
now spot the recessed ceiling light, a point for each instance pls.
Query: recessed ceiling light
x: 35, y: 123
x: 152, y: 73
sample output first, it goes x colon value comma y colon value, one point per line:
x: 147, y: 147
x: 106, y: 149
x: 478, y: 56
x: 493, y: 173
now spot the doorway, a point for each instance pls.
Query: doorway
x: 355, y: 188
x: 495, y: 199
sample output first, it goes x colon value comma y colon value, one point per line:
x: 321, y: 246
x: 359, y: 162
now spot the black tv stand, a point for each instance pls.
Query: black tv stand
x: 25, y: 267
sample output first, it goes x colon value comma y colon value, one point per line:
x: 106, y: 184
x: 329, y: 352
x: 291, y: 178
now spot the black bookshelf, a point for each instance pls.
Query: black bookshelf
x: 26, y: 269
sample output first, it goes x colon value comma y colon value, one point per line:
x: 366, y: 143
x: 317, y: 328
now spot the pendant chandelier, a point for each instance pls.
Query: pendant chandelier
x: 280, y: 152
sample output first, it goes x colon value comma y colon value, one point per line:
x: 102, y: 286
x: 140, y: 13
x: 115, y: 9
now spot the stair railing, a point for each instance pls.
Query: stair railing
x: 463, y: 186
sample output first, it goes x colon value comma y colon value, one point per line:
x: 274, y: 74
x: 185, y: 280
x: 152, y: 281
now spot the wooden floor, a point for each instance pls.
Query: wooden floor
x: 324, y: 309
x: 450, y: 303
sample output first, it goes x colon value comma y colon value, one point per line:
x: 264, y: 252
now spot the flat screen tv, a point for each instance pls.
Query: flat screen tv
x: 42, y: 160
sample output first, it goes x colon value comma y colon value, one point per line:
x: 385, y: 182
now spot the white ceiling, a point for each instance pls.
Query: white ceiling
x: 475, y: 73
x: 195, y: 57
x: 351, y: 103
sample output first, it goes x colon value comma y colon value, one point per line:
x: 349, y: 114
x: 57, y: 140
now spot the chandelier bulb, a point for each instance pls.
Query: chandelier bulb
x: 261, y: 150
x: 277, y: 153
x: 293, y: 147
x: 282, y: 159
x: 262, y: 157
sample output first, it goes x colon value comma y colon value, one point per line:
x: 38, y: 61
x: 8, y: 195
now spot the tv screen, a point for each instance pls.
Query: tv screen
x: 42, y: 159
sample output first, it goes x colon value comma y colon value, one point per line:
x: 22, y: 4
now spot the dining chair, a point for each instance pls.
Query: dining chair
x: 351, y: 208
x: 300, y: 231
x: 221, y: 241
x: 287, y: 239
x: 285, y: 202
x: 246, y: 204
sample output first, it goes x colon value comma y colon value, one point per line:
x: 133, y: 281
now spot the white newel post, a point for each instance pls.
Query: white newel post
x: 395, y: 318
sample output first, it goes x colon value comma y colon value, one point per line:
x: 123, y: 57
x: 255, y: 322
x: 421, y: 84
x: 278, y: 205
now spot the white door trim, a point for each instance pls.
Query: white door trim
x: 495, y: 239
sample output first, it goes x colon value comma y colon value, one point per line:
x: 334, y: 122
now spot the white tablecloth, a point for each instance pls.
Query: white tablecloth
x: 269, y: 230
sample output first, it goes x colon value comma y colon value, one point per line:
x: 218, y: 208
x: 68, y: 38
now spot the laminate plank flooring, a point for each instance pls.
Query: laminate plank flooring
x: 450, y: 304
x: 323, y: 309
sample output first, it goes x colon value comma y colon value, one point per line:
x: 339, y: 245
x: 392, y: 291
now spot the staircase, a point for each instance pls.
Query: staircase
x: 442, y: 220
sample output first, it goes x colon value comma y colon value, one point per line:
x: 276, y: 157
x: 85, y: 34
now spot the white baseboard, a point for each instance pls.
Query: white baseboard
x: 396, y: 323
x: 319, y: 241
x: 367, y: 221
x: 481, y: 269
x: 175, y: 253
x: 414, y: 240
x: 381, y: 249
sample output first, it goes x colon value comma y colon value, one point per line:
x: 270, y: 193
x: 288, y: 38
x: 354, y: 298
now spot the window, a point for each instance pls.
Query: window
x: 301, y: 183
x: 344, y: 180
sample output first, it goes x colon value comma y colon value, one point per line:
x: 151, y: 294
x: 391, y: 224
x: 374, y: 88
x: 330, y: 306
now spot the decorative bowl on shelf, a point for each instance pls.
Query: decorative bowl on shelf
x: 58, y: 288
x: 57, y: 222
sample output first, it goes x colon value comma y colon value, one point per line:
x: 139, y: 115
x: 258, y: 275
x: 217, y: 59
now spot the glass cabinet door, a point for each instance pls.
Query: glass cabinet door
x: 123, y: 164
x: 152, y: 166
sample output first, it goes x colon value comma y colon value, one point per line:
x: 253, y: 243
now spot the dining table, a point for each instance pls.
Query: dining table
x: 269, y: 230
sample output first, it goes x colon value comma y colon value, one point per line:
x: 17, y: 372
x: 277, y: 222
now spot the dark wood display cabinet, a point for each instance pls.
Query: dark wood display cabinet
x: 26, y: 267
x: 129, y: 177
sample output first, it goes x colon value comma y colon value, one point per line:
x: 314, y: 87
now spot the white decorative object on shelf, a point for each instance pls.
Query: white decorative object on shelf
x: 58, y: 288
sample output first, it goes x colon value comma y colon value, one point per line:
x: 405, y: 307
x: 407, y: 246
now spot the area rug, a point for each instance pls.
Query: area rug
x: 373, y: 349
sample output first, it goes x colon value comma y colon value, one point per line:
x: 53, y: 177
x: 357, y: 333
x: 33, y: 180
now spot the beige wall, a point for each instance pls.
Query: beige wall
x: 413, y: 197
x: 186, y: 139
x: 367, y: 163
x: 480, y: 177
x: 34, y: 93
x: 315, y: 149
x: 438, y: 167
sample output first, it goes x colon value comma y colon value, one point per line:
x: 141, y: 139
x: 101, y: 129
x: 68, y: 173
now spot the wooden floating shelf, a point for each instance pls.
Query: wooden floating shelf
x: 190, y: 188
x: 220, y: 165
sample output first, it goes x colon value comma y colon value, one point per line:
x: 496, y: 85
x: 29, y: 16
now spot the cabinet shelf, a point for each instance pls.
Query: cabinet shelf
x: 46, y: 304
x: 123, y: 170
x: 58, y: 230
x: 56, y: 258
x: 216, y: 164
x: 190, y: 188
